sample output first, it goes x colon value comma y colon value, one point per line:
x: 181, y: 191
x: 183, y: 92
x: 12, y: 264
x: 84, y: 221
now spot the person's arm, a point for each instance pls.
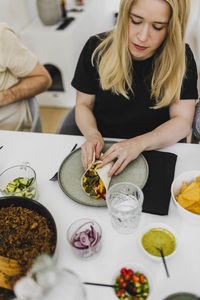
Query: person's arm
x: 37, y: 81
x: 178, y: 127
x: 88, y: 126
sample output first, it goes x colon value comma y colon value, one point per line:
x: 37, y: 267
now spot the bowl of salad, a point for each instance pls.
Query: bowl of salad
x: 20, y: 181
x: 132, y: 282
x: 84, y: 236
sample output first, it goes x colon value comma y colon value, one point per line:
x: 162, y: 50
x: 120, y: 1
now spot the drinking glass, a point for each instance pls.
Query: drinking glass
x: 124, y: 201
x: 46, y: 281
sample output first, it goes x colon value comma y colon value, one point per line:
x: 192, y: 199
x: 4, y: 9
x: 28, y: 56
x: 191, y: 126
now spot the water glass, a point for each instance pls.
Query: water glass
x: 124, y: 201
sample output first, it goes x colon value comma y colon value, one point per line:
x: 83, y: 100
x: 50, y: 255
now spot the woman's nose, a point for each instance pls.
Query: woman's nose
x: 143, y: 33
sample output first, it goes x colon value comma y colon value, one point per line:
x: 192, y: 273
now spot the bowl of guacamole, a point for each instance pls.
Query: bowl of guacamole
x: 156, y: 236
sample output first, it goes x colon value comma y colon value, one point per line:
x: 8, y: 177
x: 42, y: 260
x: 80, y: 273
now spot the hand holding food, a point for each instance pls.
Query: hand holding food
x: 123, y: 152
x: 95, y: 180
x: 94, y: 144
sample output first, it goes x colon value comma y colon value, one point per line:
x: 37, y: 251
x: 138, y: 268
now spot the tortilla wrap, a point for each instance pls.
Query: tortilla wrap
x: 101, y: 172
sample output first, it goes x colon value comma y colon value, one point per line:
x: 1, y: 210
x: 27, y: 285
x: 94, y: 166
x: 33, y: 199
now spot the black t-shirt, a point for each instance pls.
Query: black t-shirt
x: 117, y: 116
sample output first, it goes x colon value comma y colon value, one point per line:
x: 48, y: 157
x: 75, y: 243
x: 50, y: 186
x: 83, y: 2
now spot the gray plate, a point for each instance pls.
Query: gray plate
x: 71, y: 171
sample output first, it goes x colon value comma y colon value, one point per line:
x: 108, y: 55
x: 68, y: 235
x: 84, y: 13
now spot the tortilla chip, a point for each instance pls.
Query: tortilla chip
x: 195, y: 208
x: 184, y: 187
x: 198, y: 179
x: 189, y: 196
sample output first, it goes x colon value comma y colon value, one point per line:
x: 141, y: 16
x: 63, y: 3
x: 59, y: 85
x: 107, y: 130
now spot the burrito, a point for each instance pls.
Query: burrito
x: 95, y: 180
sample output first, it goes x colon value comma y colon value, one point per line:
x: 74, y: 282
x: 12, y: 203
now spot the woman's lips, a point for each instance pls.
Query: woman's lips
x: 139, y: 47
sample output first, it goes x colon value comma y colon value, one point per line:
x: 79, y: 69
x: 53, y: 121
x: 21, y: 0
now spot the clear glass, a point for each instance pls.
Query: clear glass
x: 80, y: 226
x: 19, y: 171
x: 124, y: 201
x: 46, y: 281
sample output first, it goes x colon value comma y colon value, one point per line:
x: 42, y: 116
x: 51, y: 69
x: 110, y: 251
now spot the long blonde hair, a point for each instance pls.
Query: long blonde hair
x: 114, y: 60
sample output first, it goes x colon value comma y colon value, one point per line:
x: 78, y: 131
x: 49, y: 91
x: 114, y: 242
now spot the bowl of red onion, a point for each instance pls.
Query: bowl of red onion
x: 84, y: 236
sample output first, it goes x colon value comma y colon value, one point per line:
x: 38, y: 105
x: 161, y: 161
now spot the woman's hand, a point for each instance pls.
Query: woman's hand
x: 123, y: 152
x: 93, y: 144
x: 86, y: 122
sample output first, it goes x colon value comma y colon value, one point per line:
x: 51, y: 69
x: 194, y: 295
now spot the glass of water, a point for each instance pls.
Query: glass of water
x: 124, y: 201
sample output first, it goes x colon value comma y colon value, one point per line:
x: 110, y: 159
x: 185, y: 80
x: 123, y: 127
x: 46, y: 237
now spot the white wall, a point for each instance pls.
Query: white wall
x: 62, y: 48
x: 17, y: 13
x: 193, y: 33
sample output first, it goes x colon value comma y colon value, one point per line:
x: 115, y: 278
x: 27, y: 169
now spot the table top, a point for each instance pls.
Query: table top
x: 45, y: 153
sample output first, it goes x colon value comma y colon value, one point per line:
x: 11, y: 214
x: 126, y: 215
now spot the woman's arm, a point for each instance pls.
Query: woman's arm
x: 170, y: 132
x: 88, y: 126
x: 32, y: 84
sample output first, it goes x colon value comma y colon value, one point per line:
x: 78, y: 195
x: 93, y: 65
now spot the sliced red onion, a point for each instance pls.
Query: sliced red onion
x: 86, y: 238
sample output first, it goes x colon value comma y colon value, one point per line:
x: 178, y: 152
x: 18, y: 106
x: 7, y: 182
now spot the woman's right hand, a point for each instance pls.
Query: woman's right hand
x: 93, y: 144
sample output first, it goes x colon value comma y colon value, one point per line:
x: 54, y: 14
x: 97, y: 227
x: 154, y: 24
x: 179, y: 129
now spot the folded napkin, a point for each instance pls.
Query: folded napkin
x: 157, y: 190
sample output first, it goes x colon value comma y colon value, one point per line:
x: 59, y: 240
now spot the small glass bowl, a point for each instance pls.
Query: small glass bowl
x: 84, y: 236
x: 14, y: 179
x: 136, y: 268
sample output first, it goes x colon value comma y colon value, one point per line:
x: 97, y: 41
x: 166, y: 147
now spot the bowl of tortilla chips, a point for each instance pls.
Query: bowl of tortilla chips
x: 185, y: 191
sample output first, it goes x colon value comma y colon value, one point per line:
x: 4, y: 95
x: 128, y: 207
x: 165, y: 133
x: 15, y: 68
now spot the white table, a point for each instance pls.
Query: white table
x: 45, y: 152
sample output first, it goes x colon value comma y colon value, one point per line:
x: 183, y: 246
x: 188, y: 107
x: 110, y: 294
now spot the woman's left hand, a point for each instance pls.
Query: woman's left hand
x: 123, y: 152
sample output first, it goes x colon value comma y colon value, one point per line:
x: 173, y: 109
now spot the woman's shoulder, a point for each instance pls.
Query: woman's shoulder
x: 96, y: 39
x: 188, y: 52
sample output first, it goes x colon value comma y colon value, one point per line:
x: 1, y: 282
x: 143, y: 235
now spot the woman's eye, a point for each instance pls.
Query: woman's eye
x: 134, y: 22
x: 157, y: 28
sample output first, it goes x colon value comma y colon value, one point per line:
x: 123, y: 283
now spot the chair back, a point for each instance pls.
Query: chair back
x: 196, y: 125
x: 68, y: 124
x: 35, y: 113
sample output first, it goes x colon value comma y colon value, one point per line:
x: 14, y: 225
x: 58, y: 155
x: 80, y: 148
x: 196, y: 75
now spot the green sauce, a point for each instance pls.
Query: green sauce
x: 160, y: 238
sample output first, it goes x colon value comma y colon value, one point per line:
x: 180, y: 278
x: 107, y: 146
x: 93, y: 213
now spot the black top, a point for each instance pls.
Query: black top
x: 117, y: 116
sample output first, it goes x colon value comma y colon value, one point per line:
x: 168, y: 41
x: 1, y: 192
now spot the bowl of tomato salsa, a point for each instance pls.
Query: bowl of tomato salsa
x: 132, y: 282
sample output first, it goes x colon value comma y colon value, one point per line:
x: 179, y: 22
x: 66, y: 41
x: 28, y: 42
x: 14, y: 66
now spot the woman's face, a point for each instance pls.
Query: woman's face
x: 147, y: 29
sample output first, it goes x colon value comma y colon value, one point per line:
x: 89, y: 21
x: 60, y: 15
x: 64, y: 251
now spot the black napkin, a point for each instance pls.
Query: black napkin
x: 157, y: 190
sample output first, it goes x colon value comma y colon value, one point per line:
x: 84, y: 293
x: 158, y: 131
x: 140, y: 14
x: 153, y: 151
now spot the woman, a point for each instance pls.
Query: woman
x: 138, y: 81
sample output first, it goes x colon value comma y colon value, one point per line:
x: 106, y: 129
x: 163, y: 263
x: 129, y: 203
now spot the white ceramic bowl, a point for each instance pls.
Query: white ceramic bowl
x: 136, y: 267
x: 186, y: 177
x: 157, y: 225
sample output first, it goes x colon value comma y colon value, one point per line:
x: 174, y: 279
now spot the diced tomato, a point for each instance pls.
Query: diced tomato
x: 124, y: 284
x: 130, y: 272
x: 135, y: 298
x: 119, y: 293
x: 142, y: 278
x: 135, y: 278
x: 121, y: 280
x: 134, y: 289
x: 123, y: 271
x: 127, y: 277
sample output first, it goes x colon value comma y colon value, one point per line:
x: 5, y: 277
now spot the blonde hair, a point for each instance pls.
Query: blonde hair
x: 114, y: 61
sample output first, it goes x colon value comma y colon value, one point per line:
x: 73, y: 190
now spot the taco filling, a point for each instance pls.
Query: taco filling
x: 92, y: 183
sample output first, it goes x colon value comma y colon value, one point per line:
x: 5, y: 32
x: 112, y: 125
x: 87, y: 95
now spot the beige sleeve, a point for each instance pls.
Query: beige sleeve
x: 15, y: 56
